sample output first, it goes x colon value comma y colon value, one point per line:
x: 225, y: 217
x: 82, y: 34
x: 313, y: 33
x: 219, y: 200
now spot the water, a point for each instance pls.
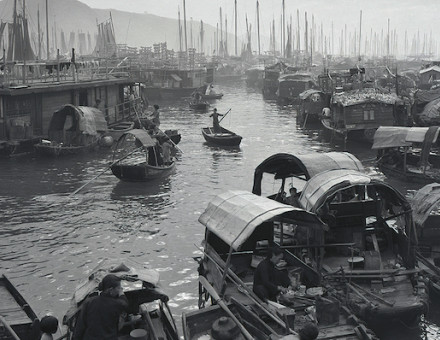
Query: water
x: 50, y: 240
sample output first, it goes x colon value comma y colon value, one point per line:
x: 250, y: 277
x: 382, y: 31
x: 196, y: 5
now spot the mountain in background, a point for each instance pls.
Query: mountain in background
x: 133, y: 29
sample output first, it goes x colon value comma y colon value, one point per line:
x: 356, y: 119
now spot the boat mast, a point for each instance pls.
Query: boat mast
x: 39, y: 36
x: 184, y: 26
x: 283, y: 44
x: 258, y: 27
x: 221, y: 34
x: 180, y: 29
x: 298, y: 38
x: 360, y: 35
x: 47, y: 29
x: 236, y: 27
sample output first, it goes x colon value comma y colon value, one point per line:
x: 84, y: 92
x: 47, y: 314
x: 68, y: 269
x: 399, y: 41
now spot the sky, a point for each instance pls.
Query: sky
x: 417, y: 18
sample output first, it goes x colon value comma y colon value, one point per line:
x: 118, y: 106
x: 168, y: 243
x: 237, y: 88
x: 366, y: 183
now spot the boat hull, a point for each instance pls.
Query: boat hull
x: 141, y: 172
x: 17, y: 313
x: 48, y: 150
x: 225, y: 138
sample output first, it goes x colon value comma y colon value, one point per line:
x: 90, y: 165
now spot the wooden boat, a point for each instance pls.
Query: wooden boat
x: 371, y: 222
x: 138, y: 157
x: 223, y: 138
x: 16, y: 316
x: 147, y: 303
x: 240, y: 226
x: 211, y: 96
x: 198, y: 105
x: 296, y: 169
x: 116, y: 130
x: 73, y: 130
x: 357, y: 114
x: 311, y: 103
x: 292, y: 84
x: 410, y: 154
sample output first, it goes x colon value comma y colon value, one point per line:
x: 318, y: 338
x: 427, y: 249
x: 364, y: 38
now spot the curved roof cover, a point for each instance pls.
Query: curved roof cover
x: 86, y: 119
x: 395, y: 136
x: 234, y: 215
x: 142, y: 135
x: 307, y: 93
x: 284, y: 165
x: 424, y: 202
x: 325, y: 184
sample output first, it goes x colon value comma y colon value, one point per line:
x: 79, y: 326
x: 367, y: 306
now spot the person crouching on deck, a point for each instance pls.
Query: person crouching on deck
x: 268, y: 280
x: 99, y: 315
x: 215, y: 122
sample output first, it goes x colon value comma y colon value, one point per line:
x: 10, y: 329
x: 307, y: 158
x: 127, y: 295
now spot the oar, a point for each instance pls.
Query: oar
x: 223, y: 305
x: 103, y: 171
x: 225, y: 115
x: 8, y: 328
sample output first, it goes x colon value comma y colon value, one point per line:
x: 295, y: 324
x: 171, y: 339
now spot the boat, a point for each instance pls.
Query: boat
x: 254, y: 76
x: 73, y: 130
x: 198, y: 105
x: 290, y: 86
x: 311, y: 103
x: 410, y: 154
x: 356, y: 114
x: 222, y: 138
x: 17, y: 319
x: 240, y: 227
x: 147, y: 302
x: 295, y: 170
x: 139, y: 157
x: 116, y: 130
x: 207, y: 93
x: 369, y: 244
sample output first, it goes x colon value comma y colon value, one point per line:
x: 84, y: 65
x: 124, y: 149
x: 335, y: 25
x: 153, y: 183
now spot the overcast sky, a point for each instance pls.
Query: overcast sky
x: 416, y: 17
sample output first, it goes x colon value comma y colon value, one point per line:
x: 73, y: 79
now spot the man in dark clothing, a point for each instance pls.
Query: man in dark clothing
x: 99, y: 316
x: 215, y: 121
x: 268, y: 280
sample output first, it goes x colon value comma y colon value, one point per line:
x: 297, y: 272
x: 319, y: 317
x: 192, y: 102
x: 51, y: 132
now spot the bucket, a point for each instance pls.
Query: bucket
x: 356, y: 262
x: 138, y: 334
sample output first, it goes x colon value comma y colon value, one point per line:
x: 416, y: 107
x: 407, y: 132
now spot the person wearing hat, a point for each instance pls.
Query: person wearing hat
x: 215, y: 122
x: 99, y: 315
x: 48, y: 326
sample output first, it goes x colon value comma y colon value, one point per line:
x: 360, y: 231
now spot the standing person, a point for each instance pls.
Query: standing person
x: 215, y: 122
x: 99, y: 315
x: 268, y: 280
x: 155, y: 117
x: 166, y: 151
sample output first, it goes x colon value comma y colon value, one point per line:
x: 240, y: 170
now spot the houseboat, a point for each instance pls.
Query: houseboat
x: 291, y: 85
x: 240, y: 229
x: 369, y: 258
x: 28, y: 102
x: 356, y: 114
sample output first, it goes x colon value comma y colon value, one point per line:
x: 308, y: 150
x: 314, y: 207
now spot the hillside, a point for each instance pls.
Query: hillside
x: 132, y: 29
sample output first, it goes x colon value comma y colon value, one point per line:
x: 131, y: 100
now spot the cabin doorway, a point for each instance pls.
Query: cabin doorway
x: 83, y: 101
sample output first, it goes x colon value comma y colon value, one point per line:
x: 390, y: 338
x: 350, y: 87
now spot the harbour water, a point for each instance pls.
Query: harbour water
x: 49, y: 240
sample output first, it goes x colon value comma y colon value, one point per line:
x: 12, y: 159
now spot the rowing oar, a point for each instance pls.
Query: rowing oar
x: 225, y: 115
x: 223, y: 305
x: 103, y: 171
x: 8, y: 328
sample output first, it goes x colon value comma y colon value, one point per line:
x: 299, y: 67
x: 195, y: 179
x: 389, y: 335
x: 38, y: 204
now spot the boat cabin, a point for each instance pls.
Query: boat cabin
x: 311, y: 103
x: 409, y: 153
x: 370, y: 241
x: 294, y: 170
x: 291, y: 85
